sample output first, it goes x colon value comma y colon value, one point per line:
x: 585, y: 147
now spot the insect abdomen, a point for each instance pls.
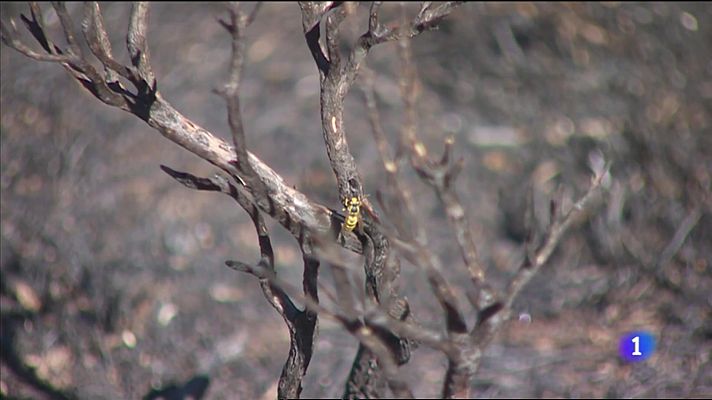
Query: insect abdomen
x: 353, y: 209
x: 350, y: 222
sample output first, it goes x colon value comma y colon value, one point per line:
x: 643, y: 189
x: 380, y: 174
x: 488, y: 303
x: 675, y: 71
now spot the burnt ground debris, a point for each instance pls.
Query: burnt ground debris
x: 113, y: 284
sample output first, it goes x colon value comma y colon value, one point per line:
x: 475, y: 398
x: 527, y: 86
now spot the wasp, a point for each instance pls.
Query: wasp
x: 353, y: 208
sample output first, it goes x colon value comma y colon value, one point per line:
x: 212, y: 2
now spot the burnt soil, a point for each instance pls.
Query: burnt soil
x: 113, y: 278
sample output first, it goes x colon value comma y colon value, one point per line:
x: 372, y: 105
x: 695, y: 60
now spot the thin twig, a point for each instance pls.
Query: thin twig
x: 68, y: 28
x: 301, y: 324
x: 137, y: 44
x: 678, y: 239
x: 98, y: 41
x: 9, y: 37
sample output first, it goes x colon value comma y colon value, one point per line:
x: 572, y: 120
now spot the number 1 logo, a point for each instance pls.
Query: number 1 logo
x: 636, y: 342
x: 636, y: 346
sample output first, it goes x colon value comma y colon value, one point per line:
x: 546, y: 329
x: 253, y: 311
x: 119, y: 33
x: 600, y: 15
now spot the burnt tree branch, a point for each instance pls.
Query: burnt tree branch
x: 300, y: 323
x: 375, y: 314
x: 291, y: 208
x: 463, y: 346
x: 336, y: 79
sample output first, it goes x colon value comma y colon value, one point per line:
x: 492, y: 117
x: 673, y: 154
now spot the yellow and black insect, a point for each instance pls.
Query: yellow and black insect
x: 352, y: 206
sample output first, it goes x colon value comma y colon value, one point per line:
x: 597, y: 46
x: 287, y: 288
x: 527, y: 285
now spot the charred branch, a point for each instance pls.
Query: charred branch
x: 463, y: 346
x: 301, y: 323
x: 336, y: 78
x: 373, y: 312
x: 289, y: 207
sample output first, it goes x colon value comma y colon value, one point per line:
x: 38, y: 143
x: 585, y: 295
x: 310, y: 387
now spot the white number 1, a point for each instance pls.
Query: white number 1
x: 636, y: 341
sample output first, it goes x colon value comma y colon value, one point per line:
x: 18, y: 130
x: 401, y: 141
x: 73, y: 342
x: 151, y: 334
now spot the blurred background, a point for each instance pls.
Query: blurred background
x: 113, y: 283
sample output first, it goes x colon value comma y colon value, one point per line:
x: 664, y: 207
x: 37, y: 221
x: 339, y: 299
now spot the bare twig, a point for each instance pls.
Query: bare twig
x: 372, y: 339
x: 464, y: 349
x: 654, y: 265
x: 98, y: 41
x: 67, y: 28
x: 137, y: 43
x: 419, y: 256
x: 302, y: 331
x: 365, y: 334
x: 301, y: 323
x: 230, y: 92
x: 333, y: 23
x: 686, y: 226
x: 378, y: 33
x: 490, y: 320
x: 404, y: 225
x: 416, y: 252
x: 9, y: 37
x: 335, y: 82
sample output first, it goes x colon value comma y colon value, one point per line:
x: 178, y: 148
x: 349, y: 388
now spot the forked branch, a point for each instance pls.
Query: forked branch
x: 463, y: 346
x: 289, y: 207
